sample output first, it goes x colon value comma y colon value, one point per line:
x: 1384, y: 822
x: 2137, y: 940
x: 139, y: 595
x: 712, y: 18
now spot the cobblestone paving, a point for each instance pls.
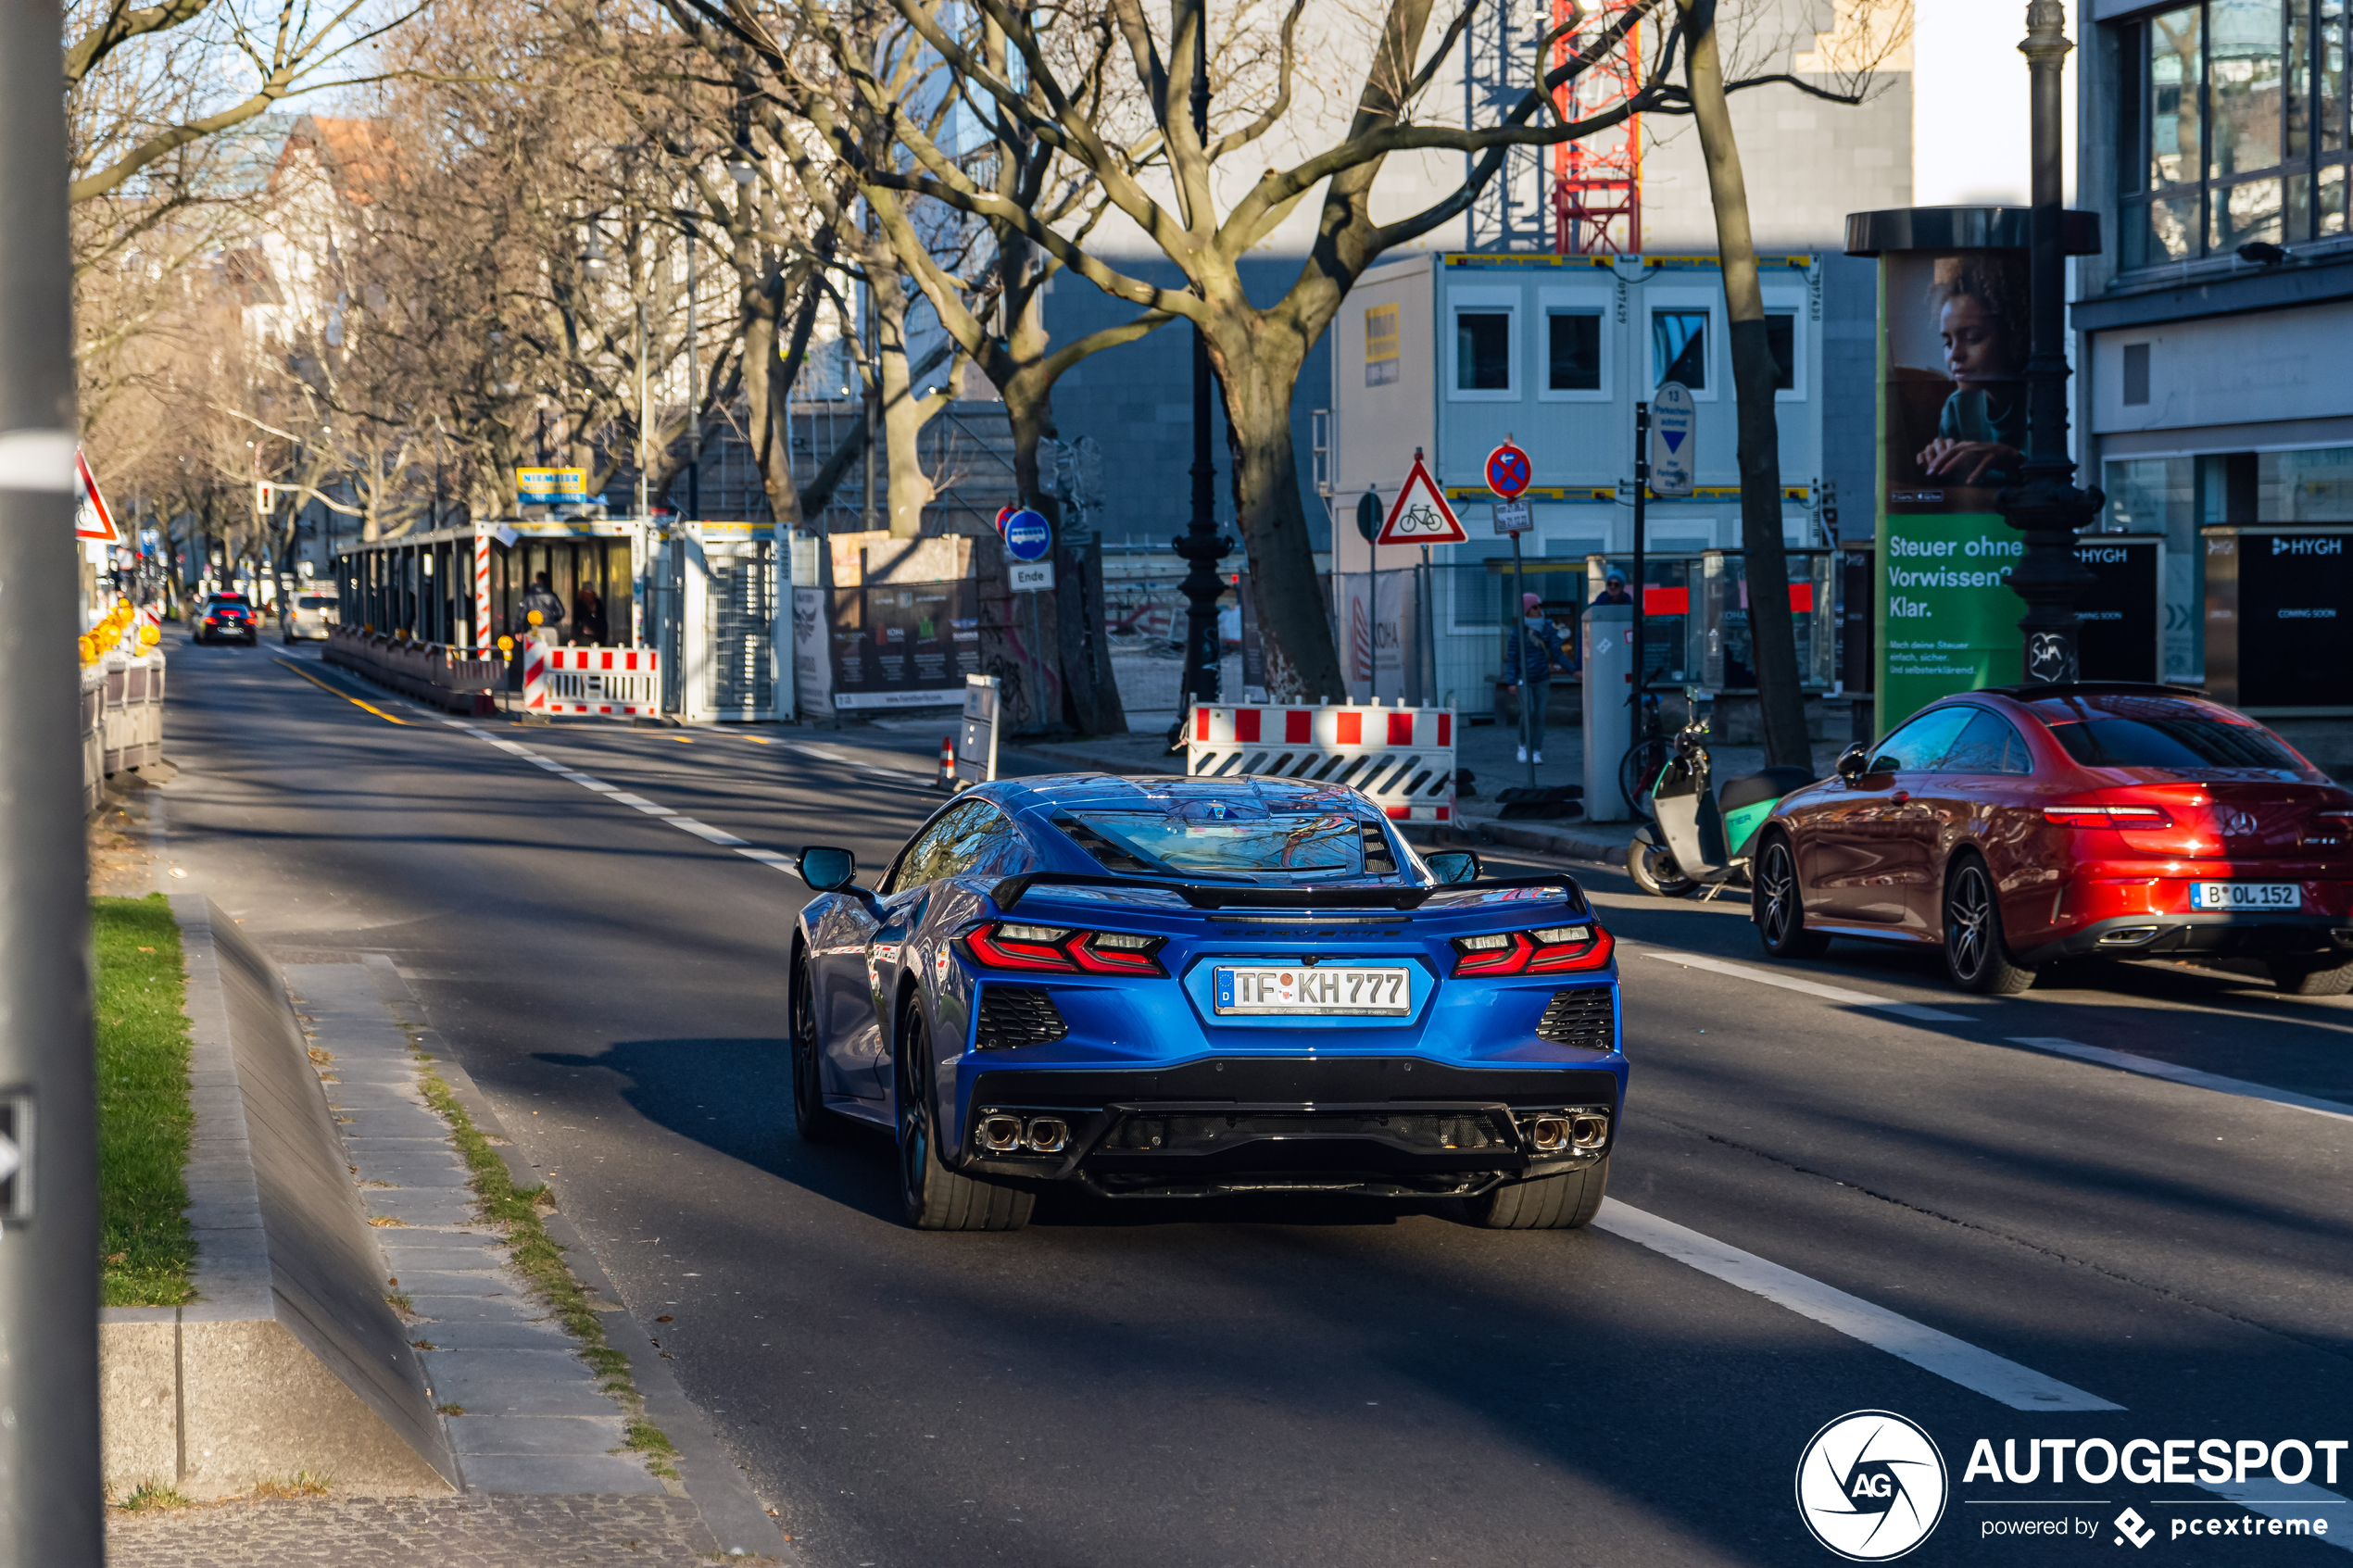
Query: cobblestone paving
x: 459, y: 1532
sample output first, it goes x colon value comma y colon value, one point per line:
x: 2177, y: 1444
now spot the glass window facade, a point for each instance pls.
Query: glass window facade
x: 2234, y: 129
x: 1678, y: 347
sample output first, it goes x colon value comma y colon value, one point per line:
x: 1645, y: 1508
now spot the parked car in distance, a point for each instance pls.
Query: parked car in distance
x: 228, y: 618
x: 2023, y: 826
x: 307, y: 614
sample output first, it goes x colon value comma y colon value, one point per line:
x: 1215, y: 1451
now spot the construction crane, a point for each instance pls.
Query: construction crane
x: 1576, y: 198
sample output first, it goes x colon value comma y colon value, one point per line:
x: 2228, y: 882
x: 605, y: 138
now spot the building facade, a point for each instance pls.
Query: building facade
x: 2214, y: 144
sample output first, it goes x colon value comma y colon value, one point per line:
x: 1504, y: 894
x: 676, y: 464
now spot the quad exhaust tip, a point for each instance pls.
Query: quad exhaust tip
x: 1568, y: 1132
x: 1002, y: 1132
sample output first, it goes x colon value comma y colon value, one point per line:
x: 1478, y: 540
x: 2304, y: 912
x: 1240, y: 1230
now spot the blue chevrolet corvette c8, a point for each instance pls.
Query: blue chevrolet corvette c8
x: 1171, y: 987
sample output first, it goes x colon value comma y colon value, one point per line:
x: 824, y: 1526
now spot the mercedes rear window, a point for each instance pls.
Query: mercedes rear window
x: 1218, y: 838
x: 2183, y: 740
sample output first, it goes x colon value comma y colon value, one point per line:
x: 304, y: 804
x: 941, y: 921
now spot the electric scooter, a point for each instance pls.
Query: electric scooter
x: 1694, y: 837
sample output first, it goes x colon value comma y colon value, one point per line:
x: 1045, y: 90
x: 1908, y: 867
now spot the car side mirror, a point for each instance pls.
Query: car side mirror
x: 828, y: 870
x: 1854, y: 762
x: 1451, y: 866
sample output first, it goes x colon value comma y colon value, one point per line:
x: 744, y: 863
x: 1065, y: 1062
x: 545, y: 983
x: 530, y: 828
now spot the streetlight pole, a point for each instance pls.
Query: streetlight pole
x: 1200, y: 546
x: 2047, y: 506
x: 51, y: 1504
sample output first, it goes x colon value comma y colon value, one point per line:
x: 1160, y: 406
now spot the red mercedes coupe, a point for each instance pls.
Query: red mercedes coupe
x: 2021, y: 826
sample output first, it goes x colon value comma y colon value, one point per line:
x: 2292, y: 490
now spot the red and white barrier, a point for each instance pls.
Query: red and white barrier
x: 1401, y: 759
x: 607, y: 682
x: 483, y: 631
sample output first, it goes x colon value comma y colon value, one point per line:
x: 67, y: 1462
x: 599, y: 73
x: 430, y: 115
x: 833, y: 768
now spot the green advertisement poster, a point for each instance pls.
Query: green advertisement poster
x: 1952, y: 424
x: 1949, y: 619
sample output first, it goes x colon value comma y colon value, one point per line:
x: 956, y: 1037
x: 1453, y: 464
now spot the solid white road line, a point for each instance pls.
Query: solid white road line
x: 1929, y: 1349
x: 2151, y: 1067
x: 660, y: 812
x: 1809, y: 987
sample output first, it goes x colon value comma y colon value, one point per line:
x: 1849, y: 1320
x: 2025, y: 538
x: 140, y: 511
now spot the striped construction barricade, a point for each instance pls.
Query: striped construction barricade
x: 1401, y: 759
x: 603, y: 682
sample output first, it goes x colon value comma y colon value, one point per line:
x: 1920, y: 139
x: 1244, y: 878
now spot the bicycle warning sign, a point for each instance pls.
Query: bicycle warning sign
x: 1421, y: 515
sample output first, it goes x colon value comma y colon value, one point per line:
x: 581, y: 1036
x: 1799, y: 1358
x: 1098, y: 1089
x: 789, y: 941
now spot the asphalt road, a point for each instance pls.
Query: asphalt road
x: 1316, y: 1381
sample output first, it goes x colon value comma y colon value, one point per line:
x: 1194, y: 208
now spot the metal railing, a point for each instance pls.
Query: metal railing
x: 121, y: 719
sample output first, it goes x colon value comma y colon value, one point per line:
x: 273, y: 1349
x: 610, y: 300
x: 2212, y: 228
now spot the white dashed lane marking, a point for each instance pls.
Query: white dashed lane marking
x: 655, y: 810
x: 1931, y: 1349
x: 1808, y: 987
x: 2152, y: 1068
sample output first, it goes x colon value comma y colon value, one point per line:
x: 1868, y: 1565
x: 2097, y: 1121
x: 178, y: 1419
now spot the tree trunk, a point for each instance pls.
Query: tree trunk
x: 1090, y: 691
x: 1294, y: 623
x: 767, y: 398
x: 904, y: 413
x: 1772, y: 635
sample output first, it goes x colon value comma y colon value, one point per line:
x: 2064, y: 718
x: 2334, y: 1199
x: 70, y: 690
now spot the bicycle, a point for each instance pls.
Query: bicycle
x: 1640, y: 765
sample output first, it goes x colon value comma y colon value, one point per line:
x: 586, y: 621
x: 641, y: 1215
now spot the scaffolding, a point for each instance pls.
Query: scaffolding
x: 1593, y: 205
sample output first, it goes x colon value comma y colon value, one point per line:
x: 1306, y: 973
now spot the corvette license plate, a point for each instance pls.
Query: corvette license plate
x: 2247, y: 895
x: 1321, y: 988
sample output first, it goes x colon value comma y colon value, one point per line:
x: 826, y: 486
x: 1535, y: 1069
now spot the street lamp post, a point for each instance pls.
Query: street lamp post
x: 2047, y: 506
x: 1200, y: 546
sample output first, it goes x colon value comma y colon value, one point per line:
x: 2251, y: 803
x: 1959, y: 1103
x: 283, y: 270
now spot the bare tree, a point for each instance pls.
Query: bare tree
x: 1868, y: 32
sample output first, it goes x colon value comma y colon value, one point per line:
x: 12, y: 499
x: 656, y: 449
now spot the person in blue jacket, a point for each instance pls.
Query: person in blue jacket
x: 1530, y: 659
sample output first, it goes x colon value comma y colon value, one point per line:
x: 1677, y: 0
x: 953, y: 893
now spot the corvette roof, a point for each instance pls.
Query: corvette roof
x: 1115, y: 792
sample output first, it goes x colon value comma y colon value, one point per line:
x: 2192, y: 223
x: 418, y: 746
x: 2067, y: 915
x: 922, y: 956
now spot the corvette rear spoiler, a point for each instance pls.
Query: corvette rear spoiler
x: 1225, y: 895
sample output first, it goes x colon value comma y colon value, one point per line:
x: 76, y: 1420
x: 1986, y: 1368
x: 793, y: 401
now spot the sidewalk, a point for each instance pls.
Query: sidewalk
x: 568, y: 1451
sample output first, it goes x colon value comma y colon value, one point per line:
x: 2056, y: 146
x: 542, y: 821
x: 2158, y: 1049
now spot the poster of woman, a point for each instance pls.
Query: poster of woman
x: 1956, y: 340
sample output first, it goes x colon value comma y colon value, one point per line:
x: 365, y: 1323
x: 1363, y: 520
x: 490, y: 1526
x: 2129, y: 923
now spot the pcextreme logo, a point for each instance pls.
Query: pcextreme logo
x: 1871, y: 1486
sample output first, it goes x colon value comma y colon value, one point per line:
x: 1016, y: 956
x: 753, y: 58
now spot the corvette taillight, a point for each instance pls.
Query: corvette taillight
x: 1055, y: 949
x: 1554, y: 949
x: 2108, y: 816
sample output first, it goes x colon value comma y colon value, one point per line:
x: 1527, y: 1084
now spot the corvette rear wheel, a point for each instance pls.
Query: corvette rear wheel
x: 1777, y: 903
x: 1975, y: 953
x: 810, y: 1117
x: 1549, y: 1203
x: 934, y: 1198
x: 2311, y: 977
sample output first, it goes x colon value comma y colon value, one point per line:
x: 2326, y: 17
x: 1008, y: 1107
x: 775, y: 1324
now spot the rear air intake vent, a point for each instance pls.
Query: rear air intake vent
x: 1017, y: 1015
x: 1581, y: 1017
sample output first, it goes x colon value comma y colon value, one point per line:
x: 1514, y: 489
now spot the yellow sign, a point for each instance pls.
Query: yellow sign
x: 1380, y: 345
x: 551, y: 487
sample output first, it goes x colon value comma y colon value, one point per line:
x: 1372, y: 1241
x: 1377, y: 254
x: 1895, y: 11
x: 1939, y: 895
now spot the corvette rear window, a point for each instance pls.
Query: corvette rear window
x: 2184, y: 741
x: 1244, y: 843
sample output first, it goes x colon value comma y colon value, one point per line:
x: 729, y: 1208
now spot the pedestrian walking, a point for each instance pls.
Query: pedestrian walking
x: 542, y: 597
x: 1530, y: 660
x: 587, y: 617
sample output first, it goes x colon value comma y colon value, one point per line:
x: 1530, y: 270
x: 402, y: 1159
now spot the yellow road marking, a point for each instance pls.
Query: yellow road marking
x: 345, y: 696
x: 683, y: 740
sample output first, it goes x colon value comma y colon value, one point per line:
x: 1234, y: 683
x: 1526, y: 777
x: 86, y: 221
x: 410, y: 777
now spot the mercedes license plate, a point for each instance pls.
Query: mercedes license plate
x: 2247, y: 895
x: 1317, y: 988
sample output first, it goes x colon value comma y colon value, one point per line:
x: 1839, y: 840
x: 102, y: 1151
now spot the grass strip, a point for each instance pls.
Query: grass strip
x: 541, y: 1261
x: 144, y: 1121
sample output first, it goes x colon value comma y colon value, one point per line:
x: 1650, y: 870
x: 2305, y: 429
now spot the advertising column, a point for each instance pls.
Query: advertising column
x: 1953, y: 332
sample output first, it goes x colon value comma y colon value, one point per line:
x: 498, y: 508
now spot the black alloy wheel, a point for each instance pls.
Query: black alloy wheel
x: 1777, y: 903
x: 934, y: 1197
x: 1974, y: 951
x: 810, y: 1117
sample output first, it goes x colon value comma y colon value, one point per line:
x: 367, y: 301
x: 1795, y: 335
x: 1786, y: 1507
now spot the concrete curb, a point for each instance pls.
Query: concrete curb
x: 736, y: 1519
x: 291, y: 1359
x: 1541, y: 837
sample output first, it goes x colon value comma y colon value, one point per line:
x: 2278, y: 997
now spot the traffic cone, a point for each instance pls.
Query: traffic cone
x: 947, y: 762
